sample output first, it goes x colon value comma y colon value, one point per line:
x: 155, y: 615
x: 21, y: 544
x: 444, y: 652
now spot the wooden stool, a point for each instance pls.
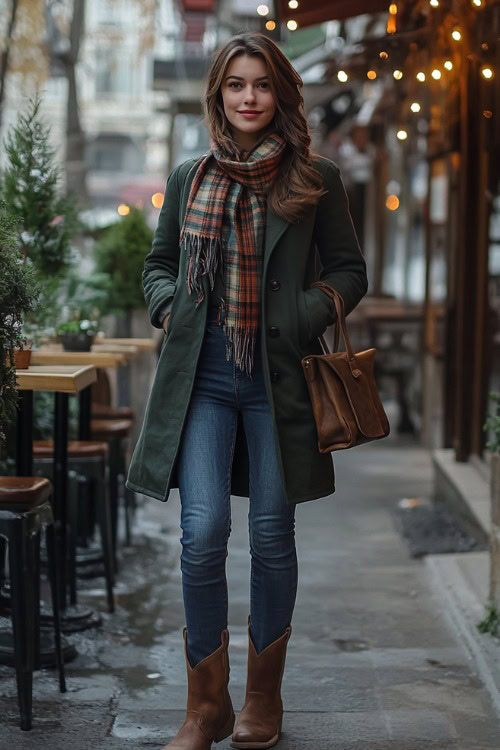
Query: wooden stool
x: 25, y: 509
x: 104, y: 411
x: 113, y: 431
x: 88, y: 459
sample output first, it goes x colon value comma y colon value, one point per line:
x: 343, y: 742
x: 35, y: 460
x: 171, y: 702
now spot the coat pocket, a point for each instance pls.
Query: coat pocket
x: 320, y: 313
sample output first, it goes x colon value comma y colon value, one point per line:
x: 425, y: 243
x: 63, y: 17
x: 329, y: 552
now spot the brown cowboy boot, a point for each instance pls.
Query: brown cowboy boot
x: 209, y: 714
x: 259, y: 722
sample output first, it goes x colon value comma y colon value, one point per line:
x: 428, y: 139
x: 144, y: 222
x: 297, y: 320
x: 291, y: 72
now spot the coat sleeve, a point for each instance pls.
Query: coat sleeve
x: 161, y: 266
x: 344, y: 266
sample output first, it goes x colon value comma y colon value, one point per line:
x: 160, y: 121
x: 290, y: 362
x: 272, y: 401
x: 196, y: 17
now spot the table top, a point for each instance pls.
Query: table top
x: 58, y: 378
x: 145, y: 344
x: 53, y: 355
x: 129, y: 351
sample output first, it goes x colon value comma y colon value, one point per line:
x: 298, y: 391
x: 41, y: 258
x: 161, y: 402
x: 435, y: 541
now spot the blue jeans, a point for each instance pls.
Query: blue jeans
x: 221, y: 390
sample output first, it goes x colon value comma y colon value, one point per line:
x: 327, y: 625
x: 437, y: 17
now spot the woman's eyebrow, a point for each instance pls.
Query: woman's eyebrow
x: 242, y: 79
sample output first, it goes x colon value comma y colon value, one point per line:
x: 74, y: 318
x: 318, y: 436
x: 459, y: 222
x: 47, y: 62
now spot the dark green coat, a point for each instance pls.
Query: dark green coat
x: 301, y: 315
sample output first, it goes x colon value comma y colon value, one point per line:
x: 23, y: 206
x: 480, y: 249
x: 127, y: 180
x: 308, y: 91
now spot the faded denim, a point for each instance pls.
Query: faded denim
x: 220, y: 391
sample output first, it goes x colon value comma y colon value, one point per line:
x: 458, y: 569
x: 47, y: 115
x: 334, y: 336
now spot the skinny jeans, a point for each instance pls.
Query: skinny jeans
x: 221, y: 391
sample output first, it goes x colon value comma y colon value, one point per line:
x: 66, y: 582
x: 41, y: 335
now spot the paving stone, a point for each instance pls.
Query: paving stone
x: 372, y: 663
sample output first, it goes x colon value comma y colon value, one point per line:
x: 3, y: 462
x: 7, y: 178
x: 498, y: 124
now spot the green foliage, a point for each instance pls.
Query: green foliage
x: 493, y: 424
x: 120, y: 253
x: 491, y: 622
x: 19, y: 292
x: 45, y: 220
x: 78, y: 326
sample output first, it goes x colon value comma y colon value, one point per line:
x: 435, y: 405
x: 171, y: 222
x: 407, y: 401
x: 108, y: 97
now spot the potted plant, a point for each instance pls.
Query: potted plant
x: 492, y: 427
x: 77, y: 335
x: 19, y: 293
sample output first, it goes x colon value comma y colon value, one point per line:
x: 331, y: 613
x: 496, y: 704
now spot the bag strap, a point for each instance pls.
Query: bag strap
x: 340, y: 325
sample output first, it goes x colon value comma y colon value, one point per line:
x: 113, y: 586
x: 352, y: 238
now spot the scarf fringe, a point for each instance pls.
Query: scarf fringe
x: 240, y: 346
x: 203, y: 255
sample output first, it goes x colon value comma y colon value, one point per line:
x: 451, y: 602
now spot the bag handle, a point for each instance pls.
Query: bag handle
x: 340, y: 325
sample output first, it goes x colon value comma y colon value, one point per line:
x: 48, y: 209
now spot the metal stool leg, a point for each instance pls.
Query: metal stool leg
x: 51, y: 558
x: 105, y: 529
x: 21, y: 571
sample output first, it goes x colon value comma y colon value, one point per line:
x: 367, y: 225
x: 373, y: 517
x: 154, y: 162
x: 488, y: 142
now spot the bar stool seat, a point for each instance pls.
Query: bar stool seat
x: 88, y: 458
x: 23, y: 493
x: 25, y: 509
x: 105, y: 411
x: 76, y: 448
x: 109, y: 429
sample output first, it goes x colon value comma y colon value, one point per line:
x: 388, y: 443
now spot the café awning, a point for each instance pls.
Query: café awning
x: 311, y: 12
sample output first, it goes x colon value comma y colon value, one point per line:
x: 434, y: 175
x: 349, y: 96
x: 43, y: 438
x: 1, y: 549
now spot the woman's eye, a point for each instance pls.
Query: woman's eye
x: 235, y: 83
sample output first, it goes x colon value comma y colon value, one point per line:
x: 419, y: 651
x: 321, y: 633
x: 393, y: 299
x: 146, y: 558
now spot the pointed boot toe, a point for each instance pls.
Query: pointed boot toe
x: 258, y: 725
x: 209, y: 715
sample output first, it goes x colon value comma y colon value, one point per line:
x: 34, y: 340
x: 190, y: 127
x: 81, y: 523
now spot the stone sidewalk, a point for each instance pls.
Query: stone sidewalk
x: 372, y: 663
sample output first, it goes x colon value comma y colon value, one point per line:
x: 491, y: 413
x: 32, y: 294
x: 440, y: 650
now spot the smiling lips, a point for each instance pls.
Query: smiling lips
x: 249, y: 112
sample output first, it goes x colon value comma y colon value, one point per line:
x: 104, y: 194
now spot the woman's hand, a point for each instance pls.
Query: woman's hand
x: 164, y: 322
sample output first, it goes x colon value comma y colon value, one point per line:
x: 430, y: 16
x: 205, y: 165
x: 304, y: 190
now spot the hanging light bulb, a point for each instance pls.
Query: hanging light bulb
x: 342, y: 76
x: 398, y: 74
x: 293, y: 4
x: 292, y: 25
x: 421, y: 77
x: 415, y: 107
x: 434, y: 3
x: 371, y: 75
x: 393, y: 9
x: 477, y: 3
x: 487, y: 72
x: 384, y: 55
x: 448, y: 65
x: 402, y: 135
x: 456, y: 35
x: 436, y: 74
x: 262, y: 10
x: 270, y: 25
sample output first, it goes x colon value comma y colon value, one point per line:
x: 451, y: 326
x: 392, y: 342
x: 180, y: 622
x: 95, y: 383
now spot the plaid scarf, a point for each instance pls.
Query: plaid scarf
x: 238, y: 188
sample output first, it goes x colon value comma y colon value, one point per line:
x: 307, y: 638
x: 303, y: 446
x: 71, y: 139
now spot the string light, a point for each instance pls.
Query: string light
x: 342, y: 76
x: 393, y: 9
x: 488, y: 113
x: 402, y: 135
x: 487, y: 72
x: 456, y: 35
x: 421, y: 76
x: 448, y: 65
x: 292, y: 25
x: 436, y: 74
x: 262, y: 10
x: 384, y: 55
x: 157, y: 200
x: 477, y: 3
x: 270, y: 25
x: 415, y: 107
x: 391, y: 21
x: 293, y: 4
x: 123, y: 209
x: 434, y: 3
x: 398, y: 74
x: 392, y: 202
x: 371, y: 75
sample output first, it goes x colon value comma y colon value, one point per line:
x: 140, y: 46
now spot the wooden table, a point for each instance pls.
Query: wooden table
x: 62, y: 380
x: 143, y: 344
x: 55, y: 354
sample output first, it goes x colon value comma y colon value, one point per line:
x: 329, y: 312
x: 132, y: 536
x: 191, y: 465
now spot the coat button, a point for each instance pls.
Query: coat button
x: 275, y: 376
x: 275, y: 285
x: 273, y: 331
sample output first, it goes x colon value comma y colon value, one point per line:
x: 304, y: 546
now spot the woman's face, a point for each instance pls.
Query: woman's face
x: 248, y: 102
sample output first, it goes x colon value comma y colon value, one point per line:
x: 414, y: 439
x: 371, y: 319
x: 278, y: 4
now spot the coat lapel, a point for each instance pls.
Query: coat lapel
x: 275, y: 226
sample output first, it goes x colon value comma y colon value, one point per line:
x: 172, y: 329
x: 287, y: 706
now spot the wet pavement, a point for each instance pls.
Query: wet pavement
x: 372, y: 663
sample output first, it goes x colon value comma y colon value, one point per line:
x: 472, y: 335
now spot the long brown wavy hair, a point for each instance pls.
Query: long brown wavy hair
x: 299, y: 185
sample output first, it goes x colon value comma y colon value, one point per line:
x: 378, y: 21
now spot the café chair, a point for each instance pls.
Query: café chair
x: 88, y: 459
x: 25, y: 509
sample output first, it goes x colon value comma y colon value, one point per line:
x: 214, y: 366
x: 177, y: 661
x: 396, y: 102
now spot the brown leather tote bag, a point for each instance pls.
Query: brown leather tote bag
x: 344, y: 396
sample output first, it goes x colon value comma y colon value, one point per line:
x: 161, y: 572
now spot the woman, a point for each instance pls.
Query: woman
x: 228, y: 279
